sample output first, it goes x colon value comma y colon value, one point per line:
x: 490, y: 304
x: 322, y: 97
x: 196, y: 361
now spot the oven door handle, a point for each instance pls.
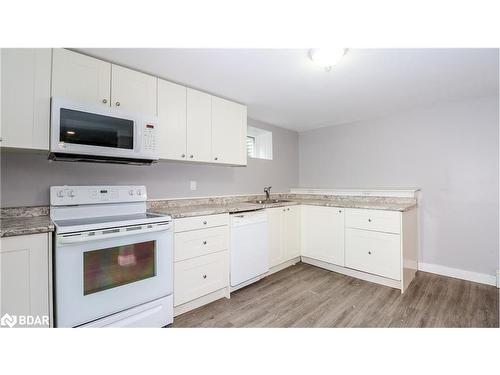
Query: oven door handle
x: 110, y: 233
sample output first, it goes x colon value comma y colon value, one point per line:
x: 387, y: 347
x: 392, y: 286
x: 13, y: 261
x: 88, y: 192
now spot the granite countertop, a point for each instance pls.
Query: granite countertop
x: 18, y: 226
x: 31, y: 220
x: 210, y: 209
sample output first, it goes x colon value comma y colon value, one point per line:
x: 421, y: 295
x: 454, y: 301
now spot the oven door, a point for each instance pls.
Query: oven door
x: 94, y: 279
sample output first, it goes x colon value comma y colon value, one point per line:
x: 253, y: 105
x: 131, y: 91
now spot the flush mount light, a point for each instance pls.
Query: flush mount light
x: 327, y: 57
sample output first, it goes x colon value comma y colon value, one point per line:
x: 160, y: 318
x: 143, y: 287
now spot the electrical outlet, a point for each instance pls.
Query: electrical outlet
x: 192, y: 185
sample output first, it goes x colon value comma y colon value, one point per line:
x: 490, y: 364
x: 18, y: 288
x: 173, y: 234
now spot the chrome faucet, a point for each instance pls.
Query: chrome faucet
x: 267, y: 190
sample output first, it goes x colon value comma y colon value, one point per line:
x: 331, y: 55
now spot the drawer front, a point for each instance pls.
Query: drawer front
x: 197, y: 277
x: 200, y: 242
x: 379, y: 220
x: 373, y: 252
x: 200, y: 222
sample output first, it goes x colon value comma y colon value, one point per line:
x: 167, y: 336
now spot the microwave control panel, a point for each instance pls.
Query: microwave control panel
x: 149, y: 137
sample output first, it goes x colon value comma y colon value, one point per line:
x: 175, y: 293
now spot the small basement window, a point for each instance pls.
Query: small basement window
x: 259, y: 143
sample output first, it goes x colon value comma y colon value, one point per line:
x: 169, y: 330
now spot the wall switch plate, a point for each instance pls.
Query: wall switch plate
x: 192, y: 185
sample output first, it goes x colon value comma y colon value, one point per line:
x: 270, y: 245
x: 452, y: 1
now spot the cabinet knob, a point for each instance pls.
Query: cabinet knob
x: 204, y: 242
x: 288, y: 209
x: 204, y: 222
x: 183, y: 155
x: 190, y: 156
x: 204, y: 276
x: 369, y: 220
x: 340, y: 211
x: 105, y: 101
x: 216, y: 158
x: 369, y: 253
x: 117, y: 104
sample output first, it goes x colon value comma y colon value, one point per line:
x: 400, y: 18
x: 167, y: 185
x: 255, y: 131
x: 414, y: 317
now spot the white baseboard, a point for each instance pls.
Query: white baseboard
x: 458, y: 273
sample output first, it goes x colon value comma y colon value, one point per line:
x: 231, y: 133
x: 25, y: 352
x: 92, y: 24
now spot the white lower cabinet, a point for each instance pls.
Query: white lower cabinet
x: 201, y: 260
x: 196, y: 277
x: 284, y: 234
x: 323, y: 233
x: 373, y: 252
x: 26, y: 277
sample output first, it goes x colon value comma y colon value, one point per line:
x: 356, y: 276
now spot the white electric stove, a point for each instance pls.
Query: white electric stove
x: 113, y: 260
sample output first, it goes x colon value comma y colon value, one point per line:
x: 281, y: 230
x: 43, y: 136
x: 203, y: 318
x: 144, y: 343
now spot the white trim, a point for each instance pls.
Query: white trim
x: 397, y: 193
x: 498, y: 278
x: 353, y: 273
x: 458, y: 273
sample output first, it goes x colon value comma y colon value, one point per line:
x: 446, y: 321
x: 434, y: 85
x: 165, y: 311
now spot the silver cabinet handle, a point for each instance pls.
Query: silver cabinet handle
x: 117, y: 104
x: 105, y: 101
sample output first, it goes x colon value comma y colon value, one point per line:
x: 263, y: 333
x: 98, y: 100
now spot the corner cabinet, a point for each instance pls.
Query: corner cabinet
x: 26, y: 277
x: 25, y: 95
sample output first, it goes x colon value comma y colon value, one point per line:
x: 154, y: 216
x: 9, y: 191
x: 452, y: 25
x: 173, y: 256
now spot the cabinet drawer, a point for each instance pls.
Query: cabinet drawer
x: 373, y: 252
x: 200, y: 222
x: 379, y: 220
x: 197, y: 277
x: 200, y: 242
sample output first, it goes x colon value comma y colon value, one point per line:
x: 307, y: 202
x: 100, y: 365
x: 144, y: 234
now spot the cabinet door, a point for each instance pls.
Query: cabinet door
x: 292, y: 232
x: 323, y: 234
x: 229, y: 131
x: 81, y: 78
x: 25, y: 275
x: 172, y: 120
x: 199, y: 125
x: 275, y: 222
x: 26, y: 98
x: 133, y: 91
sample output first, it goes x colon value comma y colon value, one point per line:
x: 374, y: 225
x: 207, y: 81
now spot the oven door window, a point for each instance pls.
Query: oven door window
x: 91, y: 129
x: 108, y: 268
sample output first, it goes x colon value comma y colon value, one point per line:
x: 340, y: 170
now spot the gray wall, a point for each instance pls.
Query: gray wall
x: 449, y: 151
x: 27, y: 176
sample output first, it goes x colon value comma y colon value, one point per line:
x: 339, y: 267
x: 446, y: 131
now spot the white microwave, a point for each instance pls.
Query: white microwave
x: 82, y: 132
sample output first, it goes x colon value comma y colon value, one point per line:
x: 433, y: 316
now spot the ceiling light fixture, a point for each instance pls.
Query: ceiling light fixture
x: 327, y: 57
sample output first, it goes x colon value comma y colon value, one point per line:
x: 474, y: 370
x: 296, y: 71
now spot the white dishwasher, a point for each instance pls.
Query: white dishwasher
x: 249, y: 248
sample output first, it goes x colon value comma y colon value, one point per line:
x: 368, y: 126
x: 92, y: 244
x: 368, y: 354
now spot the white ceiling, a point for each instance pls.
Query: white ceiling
x: 283, y: 87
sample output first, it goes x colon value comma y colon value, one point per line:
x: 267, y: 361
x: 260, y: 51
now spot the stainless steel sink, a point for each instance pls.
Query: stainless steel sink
x: 269, y: 201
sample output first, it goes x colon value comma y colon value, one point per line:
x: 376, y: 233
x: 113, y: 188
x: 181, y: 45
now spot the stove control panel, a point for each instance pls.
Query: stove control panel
x: 78, y: 195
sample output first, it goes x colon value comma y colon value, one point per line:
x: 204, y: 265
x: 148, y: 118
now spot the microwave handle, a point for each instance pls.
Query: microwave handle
x: 112, y: 233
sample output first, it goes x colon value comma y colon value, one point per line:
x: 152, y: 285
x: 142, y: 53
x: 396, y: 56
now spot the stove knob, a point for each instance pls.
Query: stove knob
x: 139, y: 192
x: 130, y: 192
x: 60, y: 193
x: 71, y: 194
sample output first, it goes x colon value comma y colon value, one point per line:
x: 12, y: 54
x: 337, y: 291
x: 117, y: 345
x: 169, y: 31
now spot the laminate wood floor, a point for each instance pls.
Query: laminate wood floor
x: 308, y: 296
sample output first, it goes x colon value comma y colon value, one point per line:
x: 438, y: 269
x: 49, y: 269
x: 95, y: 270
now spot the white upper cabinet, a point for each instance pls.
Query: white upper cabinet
x: 81, y: 78
x: 25, y: 93
x: 323, y: 234
x: 199, y: 126
x: 229, y: 130
x: 172, y: 120
x: 133, y: 91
